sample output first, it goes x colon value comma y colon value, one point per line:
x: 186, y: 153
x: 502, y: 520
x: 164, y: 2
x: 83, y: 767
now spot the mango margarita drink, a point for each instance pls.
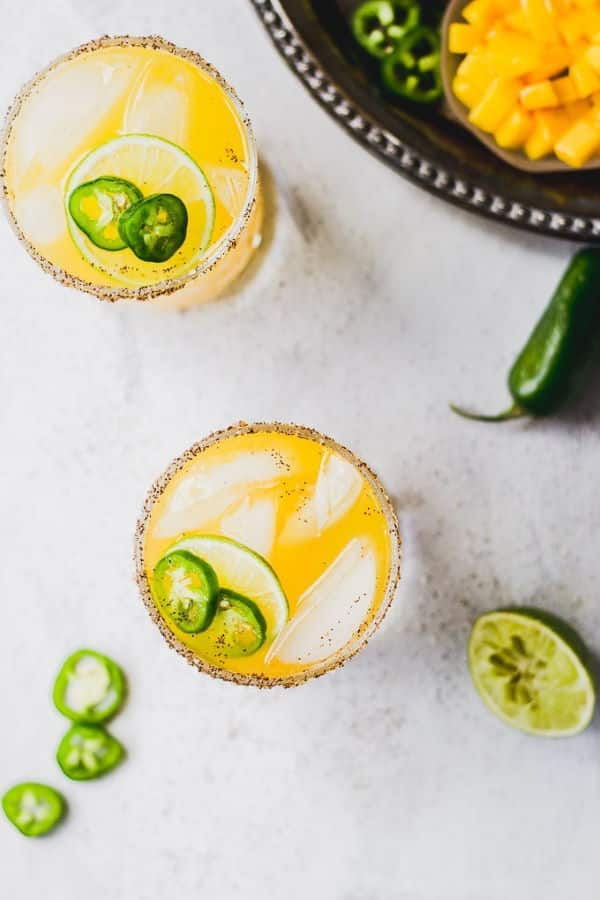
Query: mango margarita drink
x: 130, y: 171
x: 267, y: 554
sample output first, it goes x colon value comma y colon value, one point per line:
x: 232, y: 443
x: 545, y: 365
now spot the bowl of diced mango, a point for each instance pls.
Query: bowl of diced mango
x: 524, y: 77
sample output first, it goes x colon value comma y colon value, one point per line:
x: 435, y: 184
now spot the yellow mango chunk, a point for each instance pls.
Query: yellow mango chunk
x: 514, y: 130
x: 467, y: 92
x: 542, y: 23
x: 554, y: 61
x: 512, y: 55
x: 585, y: 78
x: 517, y: 21
x: 479, y: 12
x: 579, y: 143
x: 549, y: 126
x: 565, y: 89
x: 592, y: 56
x: 585, y: 4
x: 578, y: 110
x: 475, y: 67
x: 496, y: 103
x: 538, y: 96
x: 463, y: 38
x: 573, y: 26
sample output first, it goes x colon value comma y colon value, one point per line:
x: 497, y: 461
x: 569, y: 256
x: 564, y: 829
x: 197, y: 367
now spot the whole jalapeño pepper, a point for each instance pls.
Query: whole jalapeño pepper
x: 552, y: 362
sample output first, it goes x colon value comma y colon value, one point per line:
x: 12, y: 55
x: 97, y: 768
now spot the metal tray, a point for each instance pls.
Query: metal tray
x: 425, y: 145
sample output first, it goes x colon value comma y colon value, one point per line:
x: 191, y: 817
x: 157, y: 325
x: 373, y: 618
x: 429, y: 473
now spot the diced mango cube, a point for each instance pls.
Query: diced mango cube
x: 585, y: 4
x: 549, y: 126
x: 542, y: 23
x: 565, y: 89
x: 467, y: 92
x: 475, y: 67
x: 592, y: 22
x: 496, y: 103
x: 554, y: 61
x: 479, y: 12
x: 573, y: 26
x: 538, y: 96
x: 514, y: 130
x: 516, y: 21
x: 579, y: 143
x: 463, y: 38
x: 592, y: 56
x: 578, y: 110
x: 585, y: 78
x: 513, y: 55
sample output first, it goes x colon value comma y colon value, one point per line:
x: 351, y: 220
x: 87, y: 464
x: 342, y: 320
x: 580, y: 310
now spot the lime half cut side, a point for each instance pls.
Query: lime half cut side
x: 154, y: 166
x: 244, y: 572
x: 528, y: 667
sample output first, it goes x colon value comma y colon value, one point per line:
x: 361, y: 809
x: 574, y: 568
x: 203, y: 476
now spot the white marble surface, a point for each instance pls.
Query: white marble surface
x: 376, y: 305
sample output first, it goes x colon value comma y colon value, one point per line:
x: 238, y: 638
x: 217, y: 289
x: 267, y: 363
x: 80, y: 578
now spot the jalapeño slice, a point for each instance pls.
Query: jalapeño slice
x: 413, y: 69
x: 155, y: 228
x: 88, y: 751
x: 379, y: 25
x: 96, y: 207
x: 239, y: 627
x: 33, y: 808
x: 89, y: 688
x: 186, y: 589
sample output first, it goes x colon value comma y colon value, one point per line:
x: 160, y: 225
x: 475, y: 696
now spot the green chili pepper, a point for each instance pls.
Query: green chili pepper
x: 96, y: 207
x: 552, y: 362
x: 87, y: 751
x: 186, y: 590
x: 239, y: 627
x: 379, y: 25
x: 89, y: 688
x: 155, y: 228
x: 33, y: 808
x: 413, y: 69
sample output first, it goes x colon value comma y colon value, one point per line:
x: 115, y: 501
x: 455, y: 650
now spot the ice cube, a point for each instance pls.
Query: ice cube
x: 338, y: 487
x: 208, y: 492
x: 41, y: 214
x: 253, y: 523
x: 230, y: 186
x: 332, y: 609
x: 160, y: 107
x: 301, y: 525
x: 67, y: 107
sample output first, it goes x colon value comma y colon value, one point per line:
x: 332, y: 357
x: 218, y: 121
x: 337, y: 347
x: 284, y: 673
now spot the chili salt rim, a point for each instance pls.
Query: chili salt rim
x: 227, y: 241
x: 361, y: 636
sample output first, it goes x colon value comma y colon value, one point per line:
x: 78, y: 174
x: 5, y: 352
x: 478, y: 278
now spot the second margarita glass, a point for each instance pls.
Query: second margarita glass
x: 129, y: 170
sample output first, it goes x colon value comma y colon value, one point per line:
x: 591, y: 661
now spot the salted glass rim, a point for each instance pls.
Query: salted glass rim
x: 225, y: 243
x: 363, y: 634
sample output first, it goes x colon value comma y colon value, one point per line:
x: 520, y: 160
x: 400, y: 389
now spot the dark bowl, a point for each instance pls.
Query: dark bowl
x: 424, y: 144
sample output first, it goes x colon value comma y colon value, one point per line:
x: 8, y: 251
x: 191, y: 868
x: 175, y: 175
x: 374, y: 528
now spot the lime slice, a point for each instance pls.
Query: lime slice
x: 156, y: 166
x: 527, y: 667
x: 244, y: 572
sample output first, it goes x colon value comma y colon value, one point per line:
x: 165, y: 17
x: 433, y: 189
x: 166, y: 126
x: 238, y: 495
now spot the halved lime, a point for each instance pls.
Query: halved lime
x: 156, y: 166
x: 244, y: 572
x: 528, y: 667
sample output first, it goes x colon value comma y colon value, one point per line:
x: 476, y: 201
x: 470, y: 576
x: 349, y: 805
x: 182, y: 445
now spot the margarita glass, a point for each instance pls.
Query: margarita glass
x: 129, y: 170
x: 267, y: 554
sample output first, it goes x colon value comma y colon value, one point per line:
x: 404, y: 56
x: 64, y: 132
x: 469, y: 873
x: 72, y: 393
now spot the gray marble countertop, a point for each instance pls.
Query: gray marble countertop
x: 374, y: 306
